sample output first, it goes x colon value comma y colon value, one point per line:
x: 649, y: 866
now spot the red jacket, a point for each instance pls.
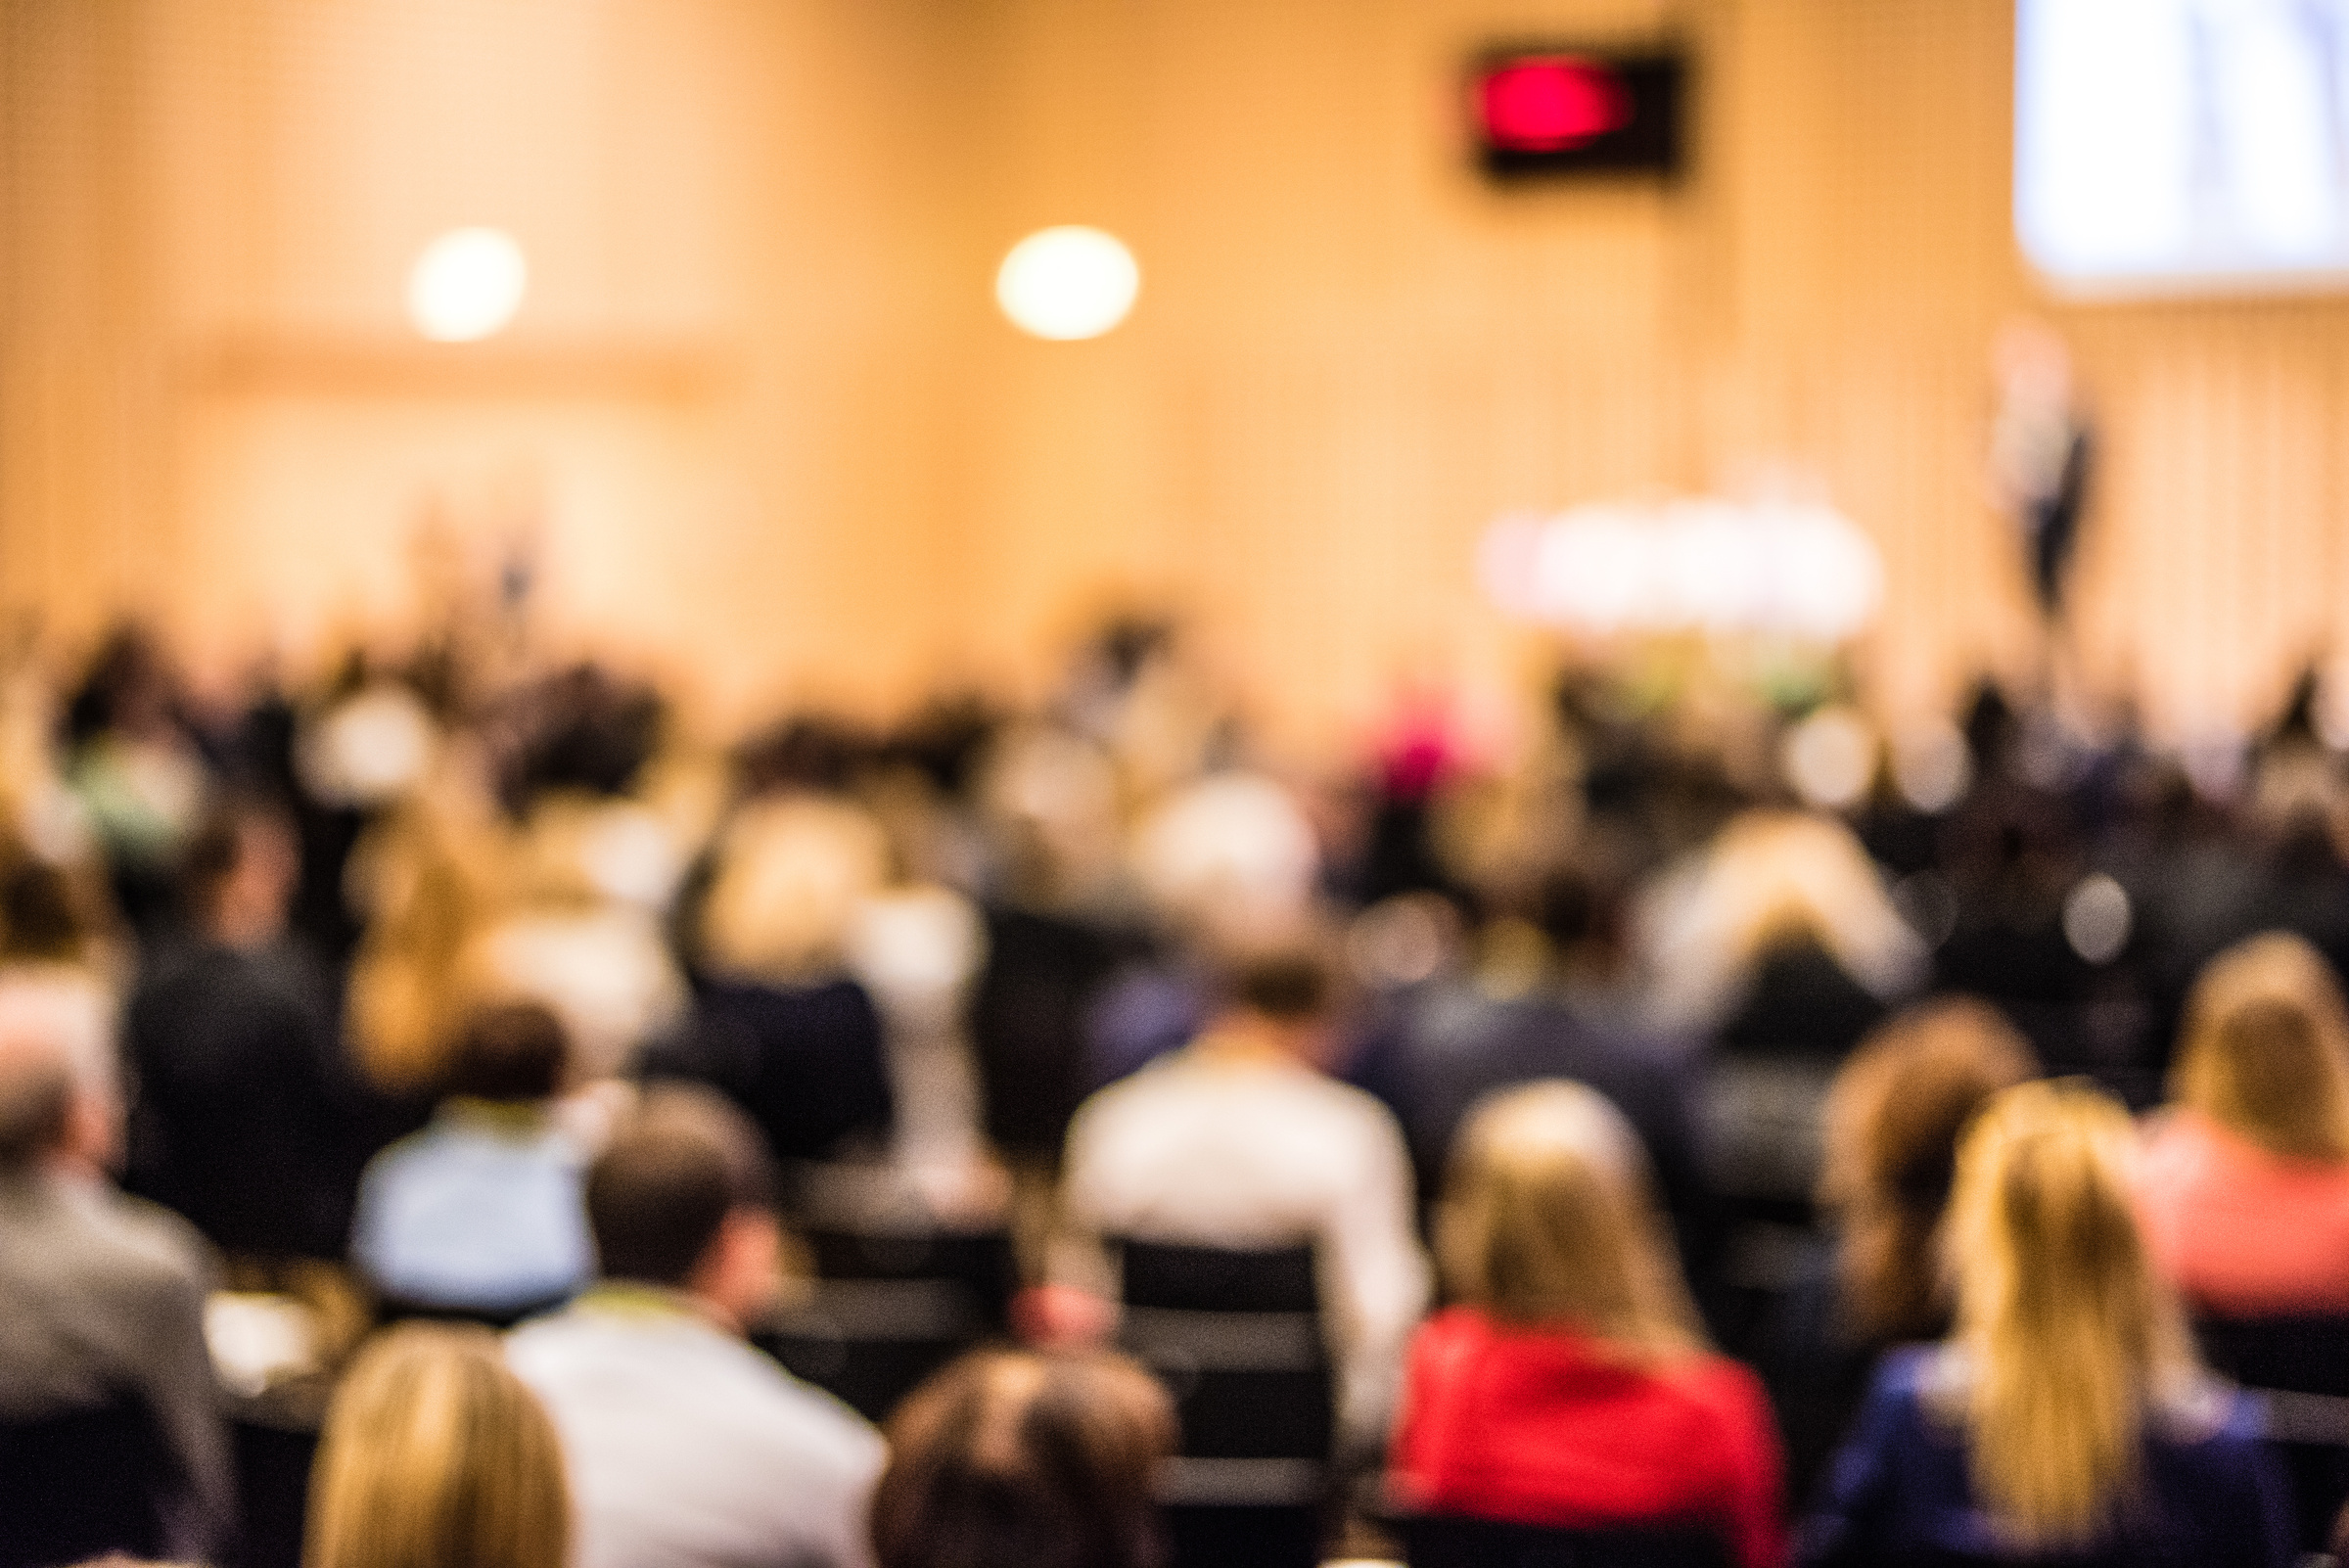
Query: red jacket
x: 1546, y: 1426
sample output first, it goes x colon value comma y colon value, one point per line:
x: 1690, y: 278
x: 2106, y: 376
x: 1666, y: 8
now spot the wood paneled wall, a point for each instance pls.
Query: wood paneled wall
x: 765, y: 424
x: 717, y: 420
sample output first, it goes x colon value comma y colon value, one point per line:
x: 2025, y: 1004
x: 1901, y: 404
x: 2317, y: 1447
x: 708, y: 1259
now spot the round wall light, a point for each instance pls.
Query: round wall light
x: 467, y: 285
x: 1068, y: 283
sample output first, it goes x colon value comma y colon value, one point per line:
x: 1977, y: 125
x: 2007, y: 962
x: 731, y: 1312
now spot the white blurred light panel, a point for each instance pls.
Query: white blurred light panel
x: 2176, y: 145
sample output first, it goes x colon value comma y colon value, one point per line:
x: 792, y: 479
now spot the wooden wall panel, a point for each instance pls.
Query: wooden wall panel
x: 794, y: 449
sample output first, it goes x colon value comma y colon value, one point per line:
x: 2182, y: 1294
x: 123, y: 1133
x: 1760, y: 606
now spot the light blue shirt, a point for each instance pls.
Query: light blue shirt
x: 484, y: 1210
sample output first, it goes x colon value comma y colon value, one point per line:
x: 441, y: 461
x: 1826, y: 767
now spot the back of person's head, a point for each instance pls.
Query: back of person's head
x: 1547, y: 1219
x: 792, y: 872
x: 434, y: 1455
x: 2265, y: 1050
x: 2069, y: 1337
x: 1017, y: 1459
x: 1290, y: 984
x: 1894, y: 1116
x: 665, y: 1186
x: 510, y: 1052
x: 1777, y: 881
x: 244, y: 845
x: 58, y: 1094
x: 40, y: 914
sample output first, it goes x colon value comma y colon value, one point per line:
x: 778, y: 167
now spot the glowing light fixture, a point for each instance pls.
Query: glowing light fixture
x: 467, y: 285
x: 1068, y: 283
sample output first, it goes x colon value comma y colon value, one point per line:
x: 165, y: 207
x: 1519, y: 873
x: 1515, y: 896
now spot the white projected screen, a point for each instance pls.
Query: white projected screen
x: 2183, y: 144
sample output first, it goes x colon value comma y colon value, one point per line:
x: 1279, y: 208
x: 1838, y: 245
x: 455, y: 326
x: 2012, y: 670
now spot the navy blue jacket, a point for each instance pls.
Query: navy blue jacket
x: 1899, y: 1493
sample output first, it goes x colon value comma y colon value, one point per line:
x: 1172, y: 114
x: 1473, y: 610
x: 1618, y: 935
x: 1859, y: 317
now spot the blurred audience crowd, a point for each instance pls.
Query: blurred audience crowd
x: 1651, y: 1132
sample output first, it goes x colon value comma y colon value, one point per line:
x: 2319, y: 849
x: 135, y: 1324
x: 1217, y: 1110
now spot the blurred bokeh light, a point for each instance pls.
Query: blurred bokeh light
x: 1068, y: 283
x: 467, y: 285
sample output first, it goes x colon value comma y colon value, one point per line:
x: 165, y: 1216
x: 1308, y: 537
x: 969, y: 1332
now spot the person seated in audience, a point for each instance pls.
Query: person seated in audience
x: 1453, y: 1041
x: 482, y: 1214
x: 434, y: 1455
x: 1571, y: 1385
x: 242, y: 1109
x: 1781, y: 941
x: 1014, y: 1459
x: 1894, y: 1116
x: 101, y: 1296
x: 778, y: 1024
x: 1782, y: 946
x: 685, y: 1446
x: 2066, y: 1417
x: 1238, y: 1140
x: 572, y: 926
x: 2244, y: 1190
x: 51, y: 938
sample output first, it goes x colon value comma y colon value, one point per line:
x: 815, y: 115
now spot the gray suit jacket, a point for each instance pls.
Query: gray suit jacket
x: 102, y: 1296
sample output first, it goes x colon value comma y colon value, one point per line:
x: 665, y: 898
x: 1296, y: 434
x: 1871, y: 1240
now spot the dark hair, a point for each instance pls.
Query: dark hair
x: 1290, y: 984
x: 661, y: 1187
x: 510, y: 1052
x: 211, y: 857
x: 1019, y: 1459
x: 37, y: 914
x: 218, y: 846
x: 1893, y: 1118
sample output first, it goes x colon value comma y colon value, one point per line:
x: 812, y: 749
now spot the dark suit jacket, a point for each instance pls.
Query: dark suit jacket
x: 1900, y: 1493
x: 244, y: 1118
x: 806, y: 1062
x: 1446, y: 1045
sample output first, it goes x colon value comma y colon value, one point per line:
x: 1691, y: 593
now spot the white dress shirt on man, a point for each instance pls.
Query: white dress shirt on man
x: 687, y: 1449
x: 1245, y: 1148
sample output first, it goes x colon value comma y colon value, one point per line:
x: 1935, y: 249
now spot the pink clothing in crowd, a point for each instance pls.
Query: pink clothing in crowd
x: 2245, y: 1233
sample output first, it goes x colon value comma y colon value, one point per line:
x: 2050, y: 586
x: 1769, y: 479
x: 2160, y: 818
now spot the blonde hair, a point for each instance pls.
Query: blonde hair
x: 1546, y: 1219
x: 1893, y: 1121
x: 434, y: 1455
x: 1772, y: 879
x: 2068, y: 1338
x: 2266, y: 1048
x: 433, y: 872
x: 792, y: 873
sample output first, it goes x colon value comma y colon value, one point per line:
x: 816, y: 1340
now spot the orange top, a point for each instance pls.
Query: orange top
x: 2245, y: 1232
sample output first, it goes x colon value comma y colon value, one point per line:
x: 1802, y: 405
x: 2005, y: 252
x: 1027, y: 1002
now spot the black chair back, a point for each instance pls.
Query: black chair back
x: 273, y: 1490
x: 889, y: 1308
x: 2296, y: 1367
x: 389, y: 1309
x: 1446, y: 1541
x: 2305, y: 1355
x: 83, y: 1484
x: 1236, y: 1337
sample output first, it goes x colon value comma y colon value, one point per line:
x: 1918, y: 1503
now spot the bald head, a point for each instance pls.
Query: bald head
x: 57, y: 1077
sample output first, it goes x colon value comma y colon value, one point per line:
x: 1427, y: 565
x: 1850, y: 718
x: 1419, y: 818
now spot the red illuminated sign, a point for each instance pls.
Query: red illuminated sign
x: 1544, y: 109
x: 1549, y: 103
